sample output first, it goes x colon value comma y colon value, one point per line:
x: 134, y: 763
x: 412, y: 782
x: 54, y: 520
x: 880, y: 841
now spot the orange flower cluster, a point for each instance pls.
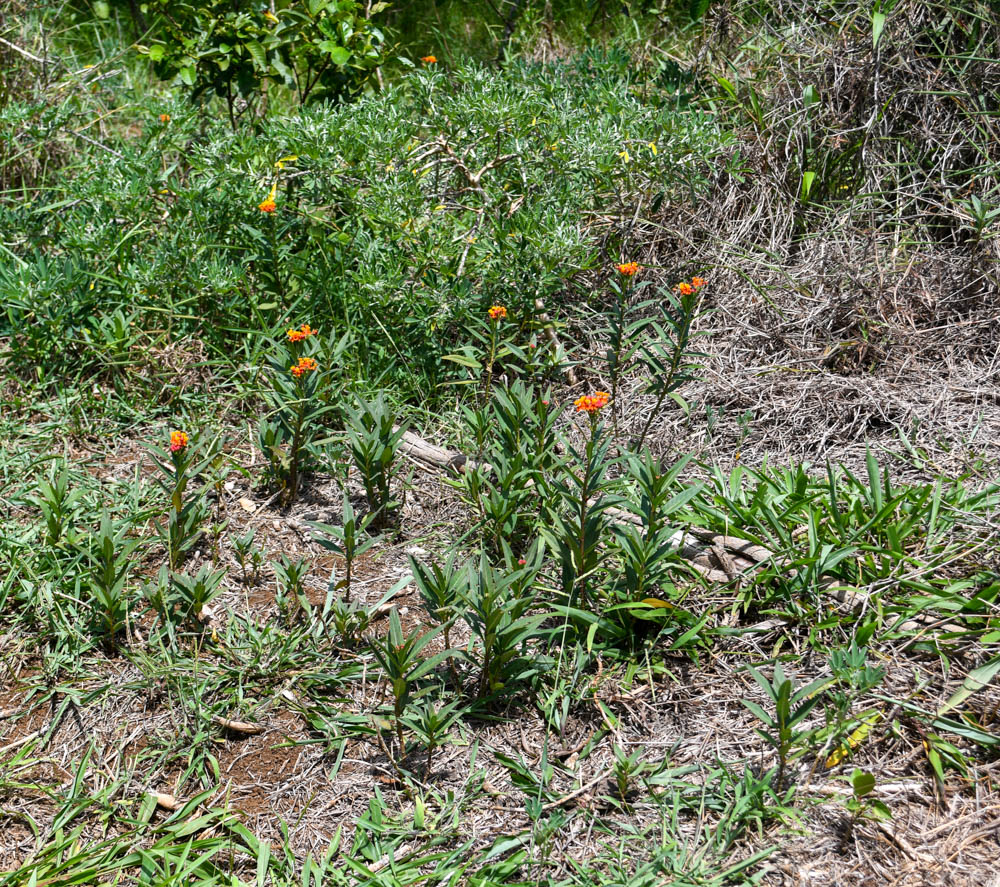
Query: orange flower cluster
x: 498, y: 312
x: 592, y: 403
x: 428, y: 59
x: 267, y: 206
x: 164, y: 118
x: 303, y: 332
x: 178, y: 441
x: 305, y: 365
x: 628, y: 269
x: 685, y: 288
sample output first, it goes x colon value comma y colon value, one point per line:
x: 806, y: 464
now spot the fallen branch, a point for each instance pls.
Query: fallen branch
x: 238, y: 726
x: 415, y: 446
x: 23, y: 52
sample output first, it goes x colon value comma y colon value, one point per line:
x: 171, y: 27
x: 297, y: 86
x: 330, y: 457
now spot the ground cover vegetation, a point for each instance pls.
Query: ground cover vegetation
x: 535, y: 443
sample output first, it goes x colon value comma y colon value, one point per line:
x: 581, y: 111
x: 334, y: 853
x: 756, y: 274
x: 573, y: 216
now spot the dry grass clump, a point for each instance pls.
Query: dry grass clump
x: 850, y: 235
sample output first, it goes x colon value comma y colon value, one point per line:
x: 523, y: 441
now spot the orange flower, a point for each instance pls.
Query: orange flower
x: 685, y: 289
x: 305, y: 365
x: 164, y: 118
x: 428, y: 59
x: 178, y: 441
x: 592, y: 403
x: 628, y: 269
x: 304, y: 332
x: 698, y: 282
x: 498, y: 312
x: 267, y: 206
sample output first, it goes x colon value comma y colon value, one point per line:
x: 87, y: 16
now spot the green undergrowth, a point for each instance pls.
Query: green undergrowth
x: 397, y: 217
x: 548, y: 589
x: 217, y: 331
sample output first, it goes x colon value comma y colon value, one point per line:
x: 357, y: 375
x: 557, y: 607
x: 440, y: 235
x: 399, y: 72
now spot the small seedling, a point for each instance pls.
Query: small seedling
x: 374, y: 438
x: 860, y: 805
x: 111, y: 557
x: 430, y: 723
x: 247, y: 555
x: 400, y: 660
x: 59, y: 506
x: 791, y: 706
x: 291, y: 577
x: 348, y: 540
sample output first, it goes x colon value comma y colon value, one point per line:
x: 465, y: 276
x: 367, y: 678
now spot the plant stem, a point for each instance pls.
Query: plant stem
x: 293, y: 464
x: 584, y: 500
x: 489, y: 362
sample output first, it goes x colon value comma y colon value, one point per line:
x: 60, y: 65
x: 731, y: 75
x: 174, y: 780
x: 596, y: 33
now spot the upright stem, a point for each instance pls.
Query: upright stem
x: 399, y: 729
x: 293, y: 469
x: 489, y: 362
x: 348, y: 560
x: 584, y: 501
x: 617, y: 369
x: 275, y: 264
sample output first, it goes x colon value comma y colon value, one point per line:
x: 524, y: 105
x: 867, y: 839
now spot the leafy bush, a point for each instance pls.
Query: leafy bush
x: 318, y: 49
x: 394, y: 217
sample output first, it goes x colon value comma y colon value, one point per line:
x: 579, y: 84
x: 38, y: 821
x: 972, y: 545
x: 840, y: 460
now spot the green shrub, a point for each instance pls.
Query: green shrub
x: 318, y: 49
x: 395, y: 218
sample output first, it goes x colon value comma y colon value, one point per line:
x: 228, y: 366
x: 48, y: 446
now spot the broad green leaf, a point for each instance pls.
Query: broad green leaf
x: 808, y: 177
x: 463, y: 360
x: 878, y: 25
x: 863, y: 783
x: 257, y: 54
x: 338, y: 54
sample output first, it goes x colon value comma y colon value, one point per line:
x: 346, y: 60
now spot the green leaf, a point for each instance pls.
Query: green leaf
x: 698, y: 8
x: 878, y: 810
x: 878, y: 24
x: 157, y: 51
x: 807, y: 180
x: 974, y: 681
x: 187, y: 74
x: 338, y: 54
x: 757, y: 711
x: 727, y: 86
x: 463, y: 360
x: 257, y: 54
x: 863, y: 783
